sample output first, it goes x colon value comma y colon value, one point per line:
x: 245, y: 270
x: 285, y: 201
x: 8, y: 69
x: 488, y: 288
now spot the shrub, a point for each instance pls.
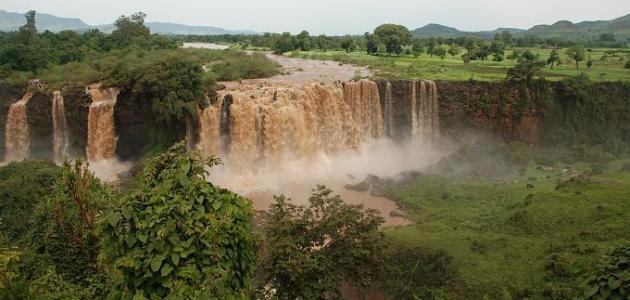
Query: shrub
x: 177, y: 235
x: 22, y: 186
x: 612, y: 279
x: 313, y: 250
x: 415, y: 273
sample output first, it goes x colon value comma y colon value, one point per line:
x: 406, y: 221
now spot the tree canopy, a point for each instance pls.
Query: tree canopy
x: 393, y: 36
x: 313, y: 249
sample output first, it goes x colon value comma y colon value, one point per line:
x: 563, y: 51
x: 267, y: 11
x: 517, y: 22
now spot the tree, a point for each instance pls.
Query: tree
x: 322, y: 42
x: 627, y: 66
x: 371, y: 44
x: 27, y: 33
x: 554, y: 57
x: 577, y: 54
x: 417, y: 47
x: 440, y: 51
x: 347, y: 43
x: 130, y: 30
x: 283, y: 43
x: 454, y: 50
x: 506, y: 38
x: 303, y: 41
x: 393, y: 36
x: 589, y: 63
x: 313, y: 250
x: 607, y: 37
x: 528, y: 64
x: 177, y: 235
x: 431, y: 45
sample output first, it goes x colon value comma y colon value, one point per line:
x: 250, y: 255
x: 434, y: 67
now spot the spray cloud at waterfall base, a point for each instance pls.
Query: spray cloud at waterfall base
x: 286, y: 140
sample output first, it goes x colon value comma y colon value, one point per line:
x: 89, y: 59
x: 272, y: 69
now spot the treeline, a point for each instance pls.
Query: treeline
x: 304, y: 41
x: 30, y: 51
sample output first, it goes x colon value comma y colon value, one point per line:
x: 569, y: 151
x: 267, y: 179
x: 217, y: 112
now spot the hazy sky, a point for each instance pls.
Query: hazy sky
x: 333, y: 16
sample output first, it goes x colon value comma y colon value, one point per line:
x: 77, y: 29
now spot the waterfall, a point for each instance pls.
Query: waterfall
x: 102, y: 138
x: 17, y: 141
x: 273, y: 124
x: 61, y: 140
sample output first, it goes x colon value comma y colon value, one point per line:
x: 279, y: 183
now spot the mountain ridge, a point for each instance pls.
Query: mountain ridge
x: 11, y: 21
x: 560, y: 29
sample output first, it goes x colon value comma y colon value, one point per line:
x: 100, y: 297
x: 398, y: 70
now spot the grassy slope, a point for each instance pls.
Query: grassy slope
x: 502, y: 236
x: 453, y: 68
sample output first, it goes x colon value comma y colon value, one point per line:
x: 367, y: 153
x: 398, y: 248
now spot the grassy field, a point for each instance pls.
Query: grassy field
x: 607, y: 67
x: 506, y: 238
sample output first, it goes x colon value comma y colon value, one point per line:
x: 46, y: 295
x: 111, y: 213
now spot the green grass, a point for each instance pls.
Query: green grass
x: 453, y: 68
x: 503, y: 236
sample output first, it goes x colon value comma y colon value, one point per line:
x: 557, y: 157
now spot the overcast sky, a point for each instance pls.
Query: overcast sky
x: 333, y: 16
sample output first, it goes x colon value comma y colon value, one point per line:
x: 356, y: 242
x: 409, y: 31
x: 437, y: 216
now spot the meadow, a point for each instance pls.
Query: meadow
x: 608, y: 65
x: 522, y: 231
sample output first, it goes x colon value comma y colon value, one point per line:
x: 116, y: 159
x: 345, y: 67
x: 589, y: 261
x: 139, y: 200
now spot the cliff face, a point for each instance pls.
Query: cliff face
x: 39, y: 112
x: 140, y: 131
x: 543, y: 113
x: 539, y: 112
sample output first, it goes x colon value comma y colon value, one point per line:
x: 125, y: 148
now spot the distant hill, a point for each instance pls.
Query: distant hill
x: 561, y: 29
x: 10, y: 21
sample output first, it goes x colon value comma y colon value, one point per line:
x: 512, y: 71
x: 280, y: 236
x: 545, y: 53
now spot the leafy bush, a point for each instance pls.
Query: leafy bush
x: 612, y: 280
x: 238, y: 65
x: 313, y: 250
x: 63, y: 225
x: 22, y: 186
x: 177, y: 235
x: 416, y: 273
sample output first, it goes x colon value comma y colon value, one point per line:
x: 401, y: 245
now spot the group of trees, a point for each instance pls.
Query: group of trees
x: 29, y: 50
x: 174, y: 235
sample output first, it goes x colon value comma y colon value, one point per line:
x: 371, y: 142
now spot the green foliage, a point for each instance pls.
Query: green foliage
x: 130, y: 30
x: 313, y: 250
x: 577, y: 54
x: 283, y: 43
x: 612, y: 279
x: 393, y: 36
x: 554, y: 58
x: 178, y: 235
x: 238, y: 65
x: 371, y: 43
x: 414, y: 273
x: 528, y: 64
x: 63, y: 228
x: 23, y: 185
x: 347, y: 43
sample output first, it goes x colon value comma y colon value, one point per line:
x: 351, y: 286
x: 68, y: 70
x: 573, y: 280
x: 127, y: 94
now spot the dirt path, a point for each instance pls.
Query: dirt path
x: 300, y: 71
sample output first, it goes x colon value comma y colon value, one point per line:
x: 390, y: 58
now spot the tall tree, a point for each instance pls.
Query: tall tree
x: 371, y: 43
x: 393, y: 36
x: 417, y: 47
x: 347, y: 43
x: 554, y: 57
x: 303, y: 40
x: 130, y: 30
x: 323, y: 42
x: 577, y: 54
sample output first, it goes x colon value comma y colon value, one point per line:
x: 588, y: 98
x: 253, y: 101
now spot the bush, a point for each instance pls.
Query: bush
x: 22, y: 186
x: 313, y: 250
x: 238, y: 65
x: 415, y: 273
x: 177, y: 235
x: 612, y: 279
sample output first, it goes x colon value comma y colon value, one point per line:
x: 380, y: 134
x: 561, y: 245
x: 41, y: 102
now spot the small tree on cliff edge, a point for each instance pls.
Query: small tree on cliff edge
x: 312, y: 250
x: 393, y: 36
